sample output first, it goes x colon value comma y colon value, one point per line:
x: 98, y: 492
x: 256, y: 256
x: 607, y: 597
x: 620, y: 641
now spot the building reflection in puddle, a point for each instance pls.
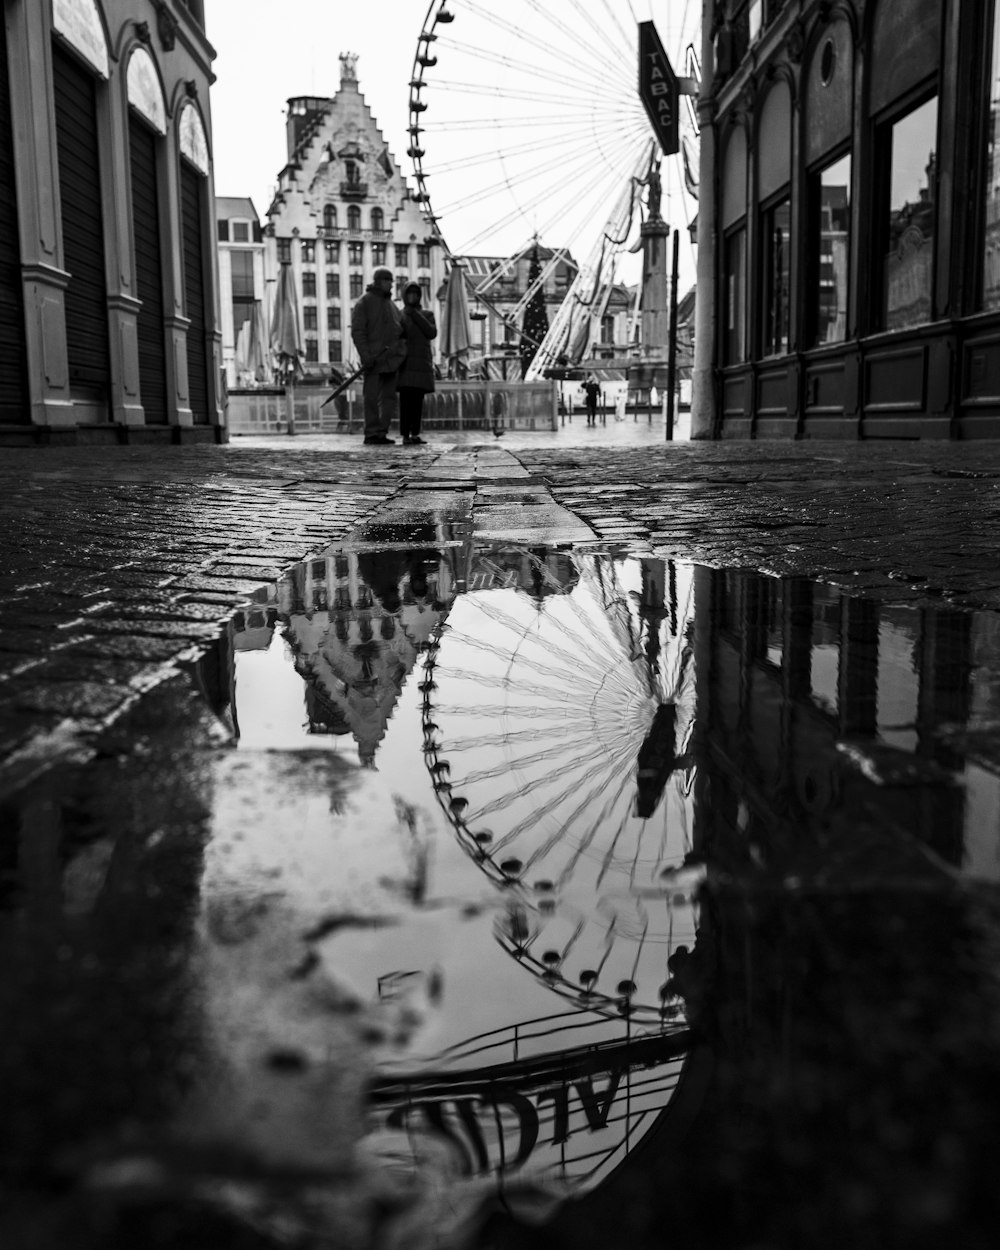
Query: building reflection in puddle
x: 539, y: 756
x: 540, y: 703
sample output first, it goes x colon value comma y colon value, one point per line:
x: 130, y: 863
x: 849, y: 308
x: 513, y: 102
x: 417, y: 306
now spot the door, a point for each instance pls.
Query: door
x: 13, y: 373
x: 192, y: 191
x: 83, y: 230
x: 148, y: 270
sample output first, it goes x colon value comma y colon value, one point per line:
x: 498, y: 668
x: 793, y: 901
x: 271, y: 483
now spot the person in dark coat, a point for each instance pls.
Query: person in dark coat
x: 416, y: 374
x: 377, y: 331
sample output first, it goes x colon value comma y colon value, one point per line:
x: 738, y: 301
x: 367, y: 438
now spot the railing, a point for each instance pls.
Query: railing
x: 353, y: 190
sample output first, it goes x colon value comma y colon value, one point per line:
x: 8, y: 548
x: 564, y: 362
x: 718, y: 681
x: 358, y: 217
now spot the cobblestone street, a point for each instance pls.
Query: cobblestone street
x: 841, y: 1004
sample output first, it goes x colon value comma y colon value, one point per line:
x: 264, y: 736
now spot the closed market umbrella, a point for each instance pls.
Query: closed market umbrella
x: 456, y: 337
x: 286, y: 338
x: 257, y: 362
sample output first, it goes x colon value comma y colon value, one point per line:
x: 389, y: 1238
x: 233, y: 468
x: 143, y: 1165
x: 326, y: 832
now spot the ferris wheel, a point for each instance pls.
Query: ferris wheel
x: 557, y: 729
x: 525, y: 124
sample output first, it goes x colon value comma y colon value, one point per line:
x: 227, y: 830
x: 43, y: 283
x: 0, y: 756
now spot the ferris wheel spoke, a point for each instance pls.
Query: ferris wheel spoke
x: 626, y: 38
x: 612, y: 45
x: 537, y: 71
x: 597, y: 54
x: 505, y: 93
x: 592, y: 57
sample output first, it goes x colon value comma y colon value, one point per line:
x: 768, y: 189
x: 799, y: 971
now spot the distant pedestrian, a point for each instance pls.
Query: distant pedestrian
x: 416, y: 375
x: 592, y: 395
x: 377, y: 331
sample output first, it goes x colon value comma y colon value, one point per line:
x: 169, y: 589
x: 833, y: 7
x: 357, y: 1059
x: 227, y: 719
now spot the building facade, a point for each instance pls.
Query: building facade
x: 342, y: 210
x: 108, y: 287
x: 856, y: 243
x: 242, y: 285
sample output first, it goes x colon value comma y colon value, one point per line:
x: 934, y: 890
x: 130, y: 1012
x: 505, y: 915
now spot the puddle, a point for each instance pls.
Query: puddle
x: 535, y: 757
x: 459, y: 902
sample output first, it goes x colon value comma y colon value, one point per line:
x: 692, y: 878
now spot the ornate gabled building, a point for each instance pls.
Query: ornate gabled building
x: 342, y: 210
x: 108, y: 282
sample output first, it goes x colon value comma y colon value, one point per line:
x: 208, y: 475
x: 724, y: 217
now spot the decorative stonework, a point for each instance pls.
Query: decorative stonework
x: 144, y: 91
x: 79, y: 23
x: 166, y: 26
x: 193, y: 140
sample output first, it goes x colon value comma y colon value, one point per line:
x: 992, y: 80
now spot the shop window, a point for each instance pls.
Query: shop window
x: 402, y: 256
x: 357, y: 285
x: 734, y: 297
x: 830, y: 250
x: 991, y: 206
x: 775, y: 231
x: 906, y: 152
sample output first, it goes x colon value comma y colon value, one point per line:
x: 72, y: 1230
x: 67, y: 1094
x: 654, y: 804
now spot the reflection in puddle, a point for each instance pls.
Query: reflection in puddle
x: 478, y: 789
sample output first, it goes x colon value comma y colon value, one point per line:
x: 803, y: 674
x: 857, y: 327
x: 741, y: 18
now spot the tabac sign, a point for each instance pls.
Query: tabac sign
x: 659, y: 88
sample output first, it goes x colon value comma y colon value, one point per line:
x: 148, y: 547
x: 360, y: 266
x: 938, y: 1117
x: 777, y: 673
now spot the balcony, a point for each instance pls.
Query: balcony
x: 353, y: 190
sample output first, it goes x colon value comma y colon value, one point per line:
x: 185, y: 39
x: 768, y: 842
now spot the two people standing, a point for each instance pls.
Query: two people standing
x: 395, y: 353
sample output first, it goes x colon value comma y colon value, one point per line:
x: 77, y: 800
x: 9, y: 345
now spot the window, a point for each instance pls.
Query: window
x: 332, y: 249
x: 333, y: 317
x: 607, y: 330
x: 401, y: 280
x: 241, y: 232
x: 907, y: 148
x: 734, y: 298
x: 308, y: 252
x: 775, y: 228
x: 355, y: 253
x: 242, y: 270
x: 312, y: 351
x: 353, y: 177
x: 223, y: 229
x: 991, y: 216
x: 354, y: 217
x: 830, y: 250
x: 425, y: 291
x: 423, y: 256
x: 308, y: 286
x: 378, y: 253
x: 309, y: 317
x: 378, y: 219
x: 402, y: 256
x: 333, y: 284
x: 334, y: 350
x: 284, y: 251
x: 330, y: 217
x: 357, y: 285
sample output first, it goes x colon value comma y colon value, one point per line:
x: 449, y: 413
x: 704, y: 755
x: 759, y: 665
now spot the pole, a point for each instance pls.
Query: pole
x: 672, y: 345
x: 703, y: 377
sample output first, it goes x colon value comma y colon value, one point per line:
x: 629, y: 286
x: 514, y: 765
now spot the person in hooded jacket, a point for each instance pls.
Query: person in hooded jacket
x: 416, y: 374
x: 378, y: 335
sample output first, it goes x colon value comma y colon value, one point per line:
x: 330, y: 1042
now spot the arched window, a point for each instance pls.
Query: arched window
x: 774, y: 155
x: 378, y: 219
x: 353, y: 217
x: 330, y: 217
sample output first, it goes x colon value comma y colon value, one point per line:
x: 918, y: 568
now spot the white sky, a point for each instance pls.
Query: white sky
x: 268, y: 51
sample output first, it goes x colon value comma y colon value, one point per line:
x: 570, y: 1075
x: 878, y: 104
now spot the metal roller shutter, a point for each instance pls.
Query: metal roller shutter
x: 13, y: 371
x: 194, y: 291
x: 83, y: 228
x: 149, y: 271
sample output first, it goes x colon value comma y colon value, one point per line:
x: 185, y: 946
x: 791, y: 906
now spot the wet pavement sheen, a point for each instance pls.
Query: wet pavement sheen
x: 493, y: 881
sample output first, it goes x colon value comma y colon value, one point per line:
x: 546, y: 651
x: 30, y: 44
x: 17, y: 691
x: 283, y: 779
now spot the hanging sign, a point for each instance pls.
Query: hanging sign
x: 659, y: 88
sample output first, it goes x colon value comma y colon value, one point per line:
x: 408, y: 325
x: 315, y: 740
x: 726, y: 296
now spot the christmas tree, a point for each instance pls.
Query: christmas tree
x: 536, y: 319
